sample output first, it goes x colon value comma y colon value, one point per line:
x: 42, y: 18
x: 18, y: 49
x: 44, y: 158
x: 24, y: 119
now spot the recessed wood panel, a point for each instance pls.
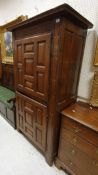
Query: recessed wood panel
x: 28, y: 115
x: 40, y: 82
x: 20, y: 106
x: 20, y: 77
x: 38, y: 136
x: 39, y: 117
x: 28, y: 105
x: 41, y: 46
x: 29, y: 133
x: 29, y: 47
x: 29, y: 118
x: 19, y: 52
x: 29, y: 69
x: 28, y: 84
x: 21, y: 121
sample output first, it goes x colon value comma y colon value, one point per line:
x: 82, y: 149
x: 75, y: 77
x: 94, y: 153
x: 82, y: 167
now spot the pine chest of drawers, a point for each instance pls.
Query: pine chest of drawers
x: 78, y: 144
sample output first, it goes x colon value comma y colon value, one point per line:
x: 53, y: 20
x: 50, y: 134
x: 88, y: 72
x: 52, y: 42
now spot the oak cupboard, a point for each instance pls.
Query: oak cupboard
x: 48, y: 51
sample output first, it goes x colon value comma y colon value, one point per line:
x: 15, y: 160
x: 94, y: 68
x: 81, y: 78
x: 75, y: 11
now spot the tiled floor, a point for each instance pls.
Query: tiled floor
x: 19, y: 157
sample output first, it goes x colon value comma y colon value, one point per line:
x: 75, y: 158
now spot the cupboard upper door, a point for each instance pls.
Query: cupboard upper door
x: 33, y: 60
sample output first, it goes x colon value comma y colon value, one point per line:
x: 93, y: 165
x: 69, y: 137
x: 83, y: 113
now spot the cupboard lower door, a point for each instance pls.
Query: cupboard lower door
x: 32, y: 120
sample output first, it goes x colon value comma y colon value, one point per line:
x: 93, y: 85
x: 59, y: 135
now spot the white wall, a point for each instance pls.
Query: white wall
x: 11, y: 9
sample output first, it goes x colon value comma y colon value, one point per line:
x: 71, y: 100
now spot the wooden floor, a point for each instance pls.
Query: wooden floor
x: 19, y: 157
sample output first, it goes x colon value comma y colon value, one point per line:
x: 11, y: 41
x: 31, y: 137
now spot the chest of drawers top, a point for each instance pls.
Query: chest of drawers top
x: 83, y: 114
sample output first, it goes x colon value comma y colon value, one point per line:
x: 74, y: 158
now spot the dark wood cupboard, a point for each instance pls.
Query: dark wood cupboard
x: 48, y: 51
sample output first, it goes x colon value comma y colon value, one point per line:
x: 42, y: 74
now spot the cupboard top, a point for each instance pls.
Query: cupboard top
x: 62, y: 10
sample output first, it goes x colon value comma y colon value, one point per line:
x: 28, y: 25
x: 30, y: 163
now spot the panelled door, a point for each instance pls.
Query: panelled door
x: 32, y: 120
x: 32, y: 65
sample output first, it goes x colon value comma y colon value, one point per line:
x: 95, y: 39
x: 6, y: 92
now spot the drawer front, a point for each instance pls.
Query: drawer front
x: 80, y: 143
x: 76, y: 160
x: 80, y: 130
x: 32, y: 120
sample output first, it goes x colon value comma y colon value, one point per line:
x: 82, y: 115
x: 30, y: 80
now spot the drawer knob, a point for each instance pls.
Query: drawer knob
x: 77, y: 129
x: 70, y: 163
x: 73, y: 111
x: 73, y: 152
x: 58, y: 20
x: 95, y: 163
x: 74, y: 141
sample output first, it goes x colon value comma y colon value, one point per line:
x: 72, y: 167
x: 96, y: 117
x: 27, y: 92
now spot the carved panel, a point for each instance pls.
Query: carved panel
x: 32, y: 120
x: 20, y: 116
x: 29, y: 121
x: 40, y: 127
x: 19, y: 52
x: 41, y: 52
x: 21, y: 121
